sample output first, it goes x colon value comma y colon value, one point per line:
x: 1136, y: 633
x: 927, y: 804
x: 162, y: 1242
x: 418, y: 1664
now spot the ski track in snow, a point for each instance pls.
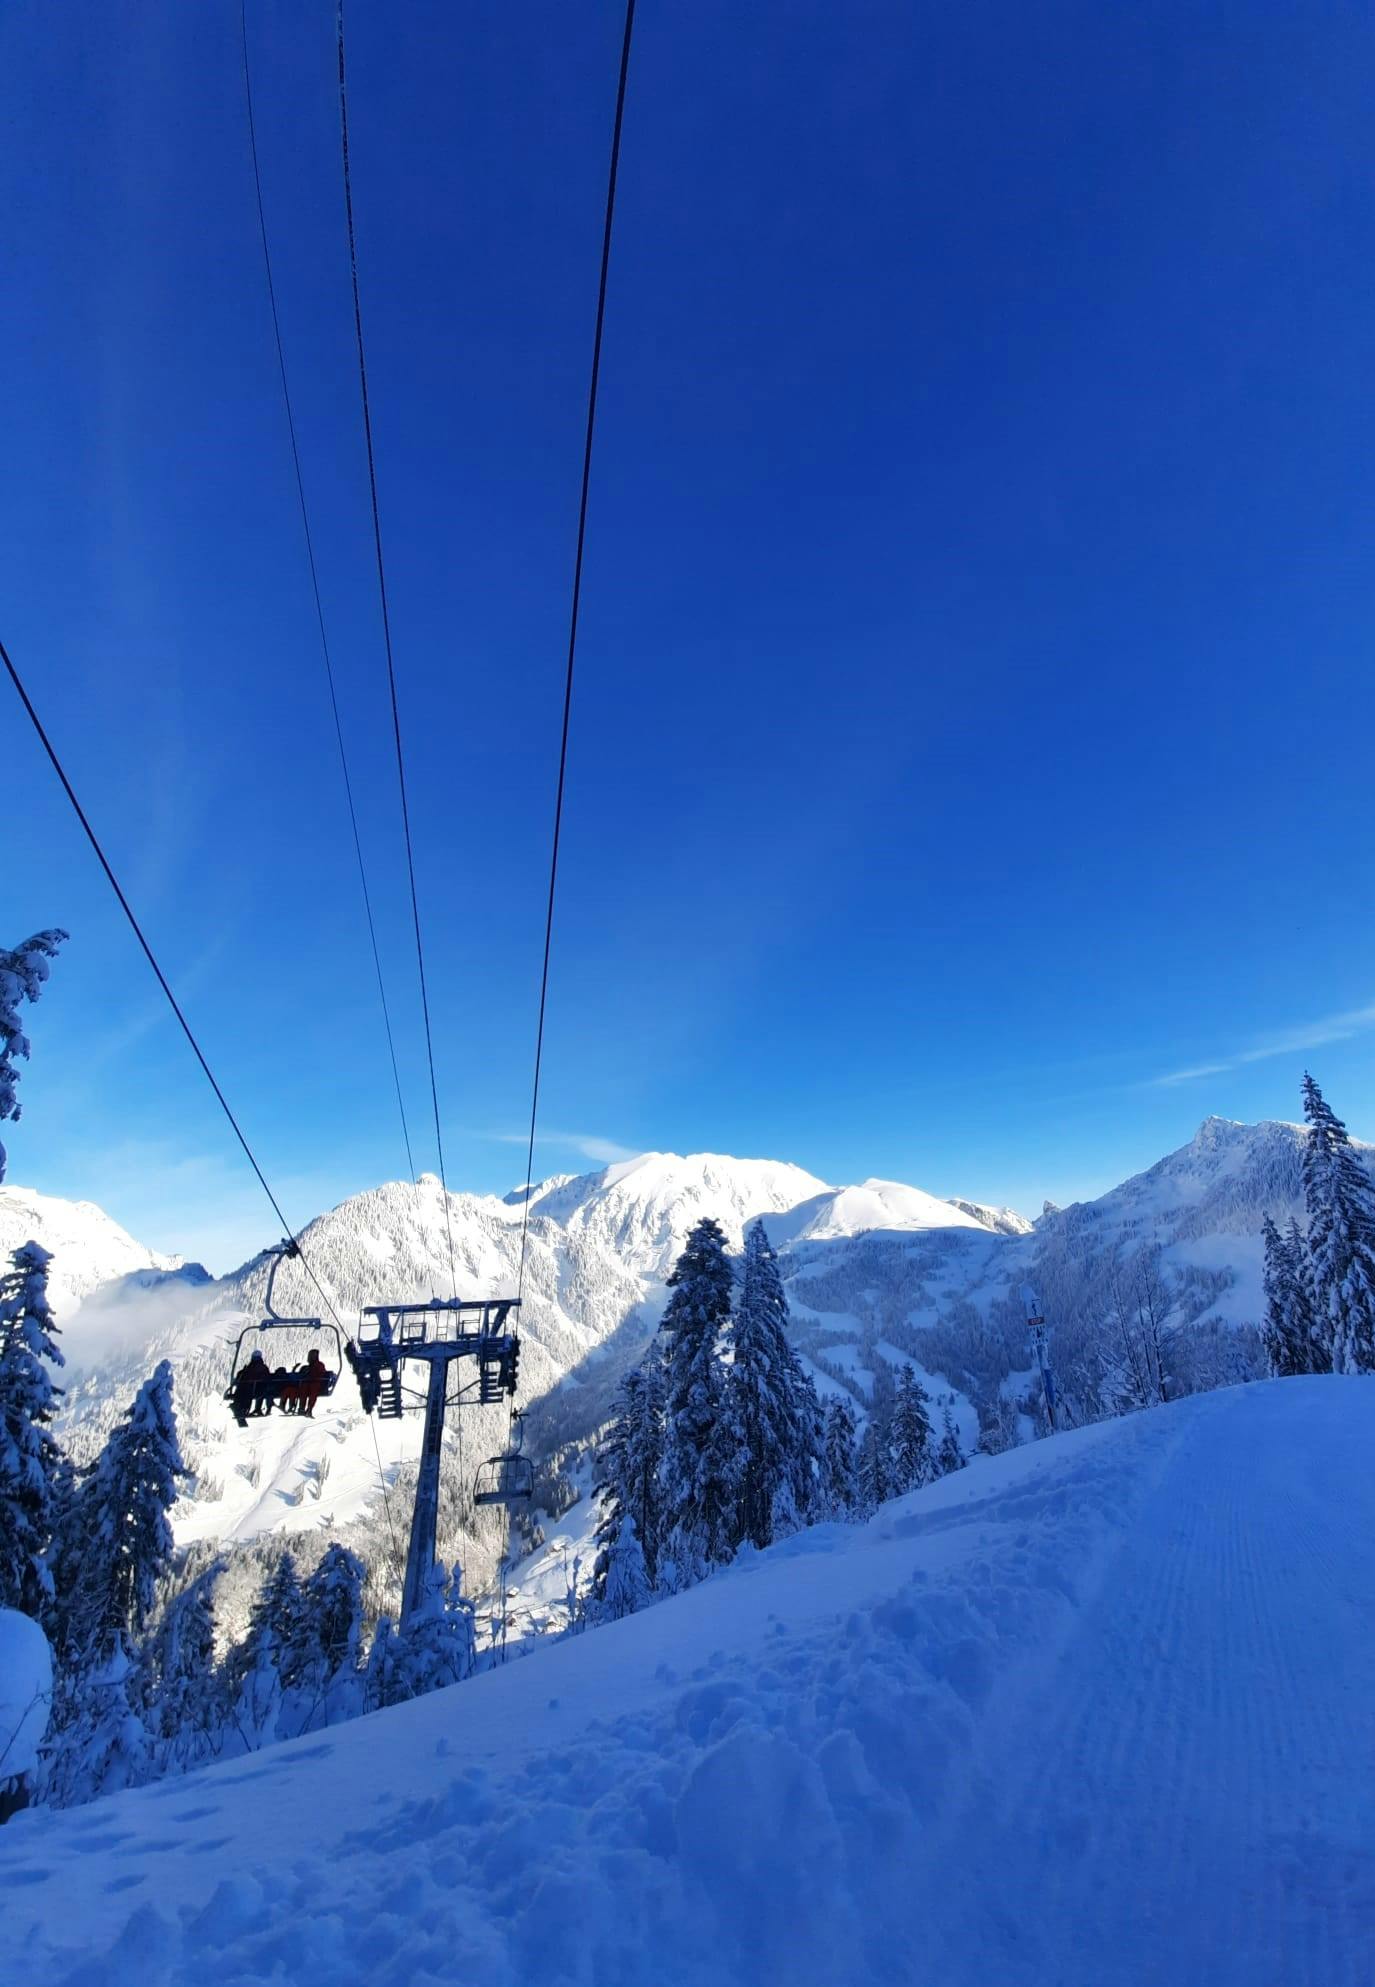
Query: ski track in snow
x: 1098, y: 1711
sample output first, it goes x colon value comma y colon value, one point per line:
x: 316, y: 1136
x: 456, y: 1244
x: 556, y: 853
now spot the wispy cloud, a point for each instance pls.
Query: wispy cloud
x: 1334, y: 1028
x: 604, y: 1150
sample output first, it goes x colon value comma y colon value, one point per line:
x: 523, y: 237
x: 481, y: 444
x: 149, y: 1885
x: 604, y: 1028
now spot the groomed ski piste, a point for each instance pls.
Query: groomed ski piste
x: 1098, y: 1710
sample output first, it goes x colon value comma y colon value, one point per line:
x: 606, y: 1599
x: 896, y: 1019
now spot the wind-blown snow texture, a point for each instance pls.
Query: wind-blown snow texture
x: 869, y: 1270
x: 1096, y: 1711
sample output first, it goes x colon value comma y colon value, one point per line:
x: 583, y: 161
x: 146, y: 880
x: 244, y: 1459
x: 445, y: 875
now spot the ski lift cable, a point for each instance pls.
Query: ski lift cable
x: 315, y: 589
x: 573, y: 621
x: 382, y: 1479
x: 386, y: 636
x: 160, y: 976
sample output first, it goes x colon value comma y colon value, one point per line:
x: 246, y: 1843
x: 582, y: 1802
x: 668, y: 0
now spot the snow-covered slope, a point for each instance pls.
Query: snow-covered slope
x: 642, y: 1210
x: 88, y: 1248
x: 1097, y: 1712
x: 1204, y: 1204
x: 1002, y: 1220
x: 883, y: 1204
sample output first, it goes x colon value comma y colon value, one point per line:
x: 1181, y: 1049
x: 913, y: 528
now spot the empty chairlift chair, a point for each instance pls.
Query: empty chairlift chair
x: 504, y: 1479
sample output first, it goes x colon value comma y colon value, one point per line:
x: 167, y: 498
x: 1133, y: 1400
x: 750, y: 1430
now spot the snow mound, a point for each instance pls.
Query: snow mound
x: 26, y: 1689
x: 1094, y: 1712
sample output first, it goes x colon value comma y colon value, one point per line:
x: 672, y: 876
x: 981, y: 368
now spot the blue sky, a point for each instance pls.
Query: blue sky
x: 973, y: 726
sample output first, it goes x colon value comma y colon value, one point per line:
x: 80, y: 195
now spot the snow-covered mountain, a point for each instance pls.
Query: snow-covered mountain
x: 878, y: 1272
x: 88, y: 1247
x: 643, y: 1210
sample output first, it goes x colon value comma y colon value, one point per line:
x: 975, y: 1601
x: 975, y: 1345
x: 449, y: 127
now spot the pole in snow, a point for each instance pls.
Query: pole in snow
x: 1040, y: 1346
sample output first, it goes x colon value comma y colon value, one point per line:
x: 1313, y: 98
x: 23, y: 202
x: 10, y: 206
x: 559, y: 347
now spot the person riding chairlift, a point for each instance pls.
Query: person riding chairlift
x: 252, y: 1390
x: 311, y: 1381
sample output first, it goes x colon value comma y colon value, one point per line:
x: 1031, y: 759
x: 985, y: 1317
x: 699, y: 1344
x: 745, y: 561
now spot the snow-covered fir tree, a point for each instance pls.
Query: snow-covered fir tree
x: 382, y: 1671
x: 438, y: 1645
x: 626, y: 1584
x: 1290, y: 1342
x: 260, y: 1669
x: 875, y: 1468
x: 681, y: 1563
x: 702, y: 1447
x: 770, y: 1400
x: 949, y: 1456
x: 31, y: 1466
x: 23, y: 974
x: 912, y: 1460
x: 276, y: 1618
x: 839, y: 1474
x: 319, y: 1663
x: 784, y: 1516
x: 1341, y: 1237
x: 98, y: 1742
x: 876, y: 1483
x: 629, y: 1463
x: 114, y: 1539
x: 183, y: 1693
x: 1308, y: 1330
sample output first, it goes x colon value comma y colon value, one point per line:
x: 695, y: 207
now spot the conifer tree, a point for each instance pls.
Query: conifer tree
x: 98, y: 1743
x: 23, y: 974
x: 260, y: 1668
x: 701, y: 1445
x: 30, y: 1461
x: 875, y: 1476
x: 772, y: 1401
x: 1288, y: 1330
x: 438, y: 1645
x: 629, y: 1462
x: 910, y: 1436
x: 115, y: 1539
x: 381, y: 1677
x: 949, y: 1456
x: 185, y: 1708
x: 1308, y: 1333
x: 1341, y: 1237
x: 840, y: 1480
x: 276, y: 1616
x: 320, y: 1660
x: 784, y: 1516
x: 626, y: 1586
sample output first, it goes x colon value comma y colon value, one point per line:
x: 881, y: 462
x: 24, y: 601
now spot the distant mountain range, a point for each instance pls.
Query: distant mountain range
x: 877, y: 1271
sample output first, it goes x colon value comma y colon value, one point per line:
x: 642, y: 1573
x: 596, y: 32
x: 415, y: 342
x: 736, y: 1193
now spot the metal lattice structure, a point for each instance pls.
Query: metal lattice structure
x: 439, y: 1336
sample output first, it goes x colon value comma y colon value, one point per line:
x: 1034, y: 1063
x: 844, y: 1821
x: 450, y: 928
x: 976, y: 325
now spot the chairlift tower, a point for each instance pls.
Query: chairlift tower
x: 438, y: 1336
x: 1040, y: 1346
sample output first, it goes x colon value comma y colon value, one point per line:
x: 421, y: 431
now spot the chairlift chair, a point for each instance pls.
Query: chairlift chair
x: 504, y: 1479
x: 251, y: 1341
